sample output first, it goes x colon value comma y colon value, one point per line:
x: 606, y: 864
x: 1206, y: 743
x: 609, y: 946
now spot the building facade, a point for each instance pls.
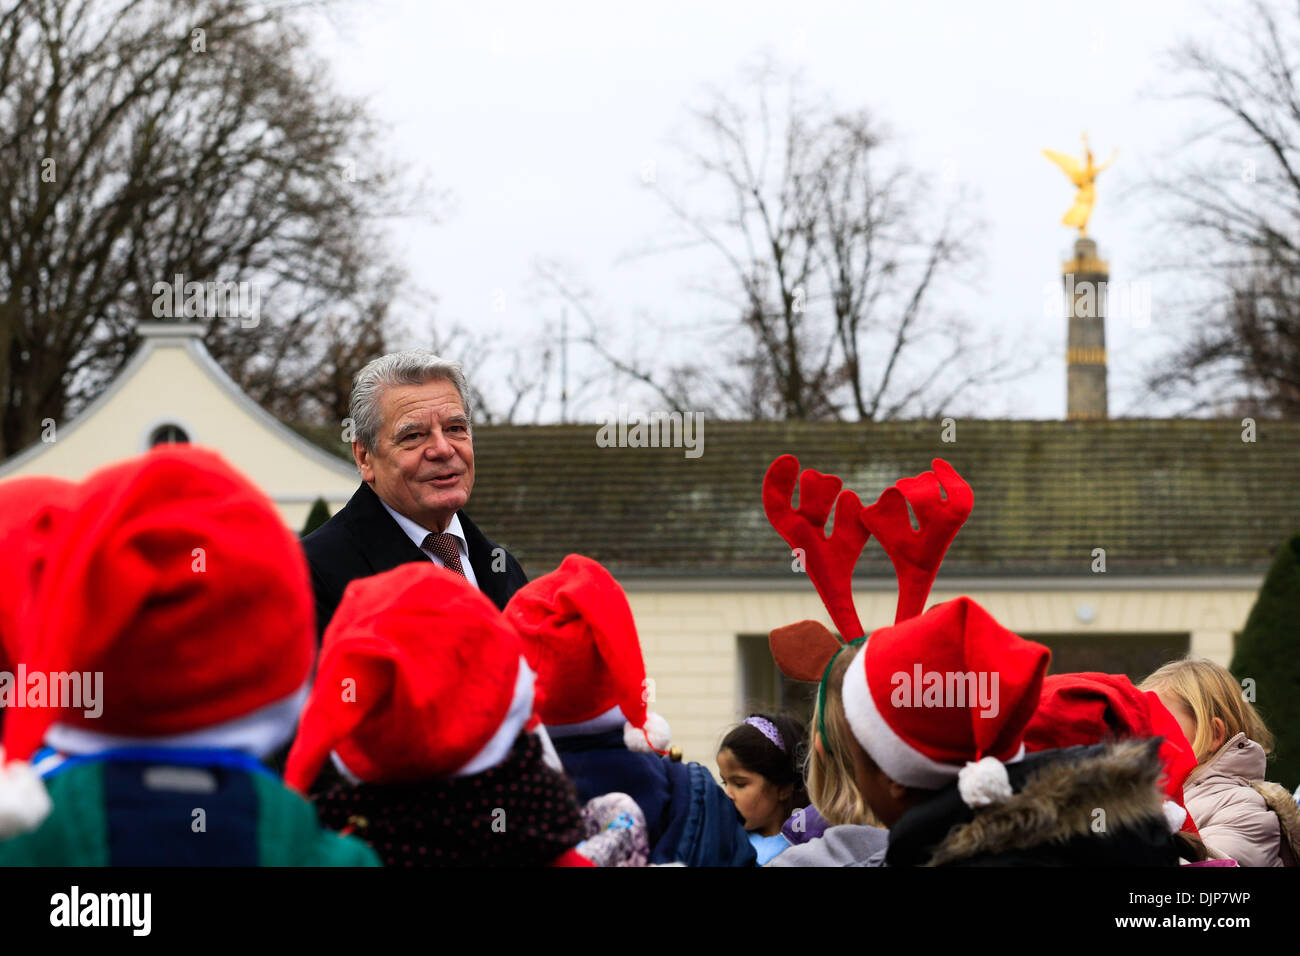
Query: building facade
x: 173, y: 390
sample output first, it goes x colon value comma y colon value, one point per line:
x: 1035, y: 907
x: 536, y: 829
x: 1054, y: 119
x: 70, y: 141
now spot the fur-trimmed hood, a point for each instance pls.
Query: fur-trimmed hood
x: 1098, y: 805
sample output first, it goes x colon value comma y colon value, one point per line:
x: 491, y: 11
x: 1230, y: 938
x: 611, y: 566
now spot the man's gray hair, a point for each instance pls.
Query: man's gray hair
x: 408, y: 367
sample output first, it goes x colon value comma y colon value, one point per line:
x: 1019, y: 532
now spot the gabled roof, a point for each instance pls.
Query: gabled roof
x: 1161, y: 496
x: 192, y: 389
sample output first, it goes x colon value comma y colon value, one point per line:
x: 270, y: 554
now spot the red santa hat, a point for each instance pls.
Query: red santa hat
x: 177, y: 580
x: 30, y: 510
x: 945, y: 696
x: 420, y: 677
x: 1088, y: 708
x: 579, y: 636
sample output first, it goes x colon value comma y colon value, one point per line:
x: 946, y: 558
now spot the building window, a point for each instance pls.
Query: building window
x: 763, y: 688
x: 168, y: 434
x: 1135, y: 655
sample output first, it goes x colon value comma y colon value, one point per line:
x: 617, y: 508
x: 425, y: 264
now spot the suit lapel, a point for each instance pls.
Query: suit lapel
x: 385, y: 545
x: 381, y: 540
x: 490, y: 582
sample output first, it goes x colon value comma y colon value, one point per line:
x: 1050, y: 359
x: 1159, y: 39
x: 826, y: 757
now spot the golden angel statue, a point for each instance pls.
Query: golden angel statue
x: 1082, y: 175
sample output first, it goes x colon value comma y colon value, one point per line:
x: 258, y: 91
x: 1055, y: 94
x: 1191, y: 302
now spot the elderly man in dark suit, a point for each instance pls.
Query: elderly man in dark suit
x: 415, y: 451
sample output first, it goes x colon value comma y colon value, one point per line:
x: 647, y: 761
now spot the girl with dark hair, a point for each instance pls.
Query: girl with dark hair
x: 760, y: 764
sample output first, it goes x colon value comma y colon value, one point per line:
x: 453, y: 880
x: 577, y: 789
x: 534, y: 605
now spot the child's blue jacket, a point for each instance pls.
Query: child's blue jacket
x: 688, y: 816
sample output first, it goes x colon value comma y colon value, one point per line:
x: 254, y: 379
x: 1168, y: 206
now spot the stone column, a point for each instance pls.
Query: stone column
x: 1085, y: 278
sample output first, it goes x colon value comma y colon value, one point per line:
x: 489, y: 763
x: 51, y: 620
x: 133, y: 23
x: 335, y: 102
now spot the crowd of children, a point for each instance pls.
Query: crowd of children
x: 432, y: 729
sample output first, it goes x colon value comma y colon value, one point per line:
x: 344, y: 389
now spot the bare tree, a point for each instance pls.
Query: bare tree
x: 678, y: 387
x: 833, y: 255
x: 142, y: 140
x: 1236, y: 217
x: 508, y: 380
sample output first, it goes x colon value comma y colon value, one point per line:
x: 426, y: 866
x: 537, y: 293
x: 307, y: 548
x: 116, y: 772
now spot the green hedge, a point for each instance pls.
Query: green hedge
x: 320, y: 513
x: 1268, y: 650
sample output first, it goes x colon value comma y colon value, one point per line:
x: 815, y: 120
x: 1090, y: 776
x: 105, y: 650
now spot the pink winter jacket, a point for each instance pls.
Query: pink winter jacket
x: 1231, y: 815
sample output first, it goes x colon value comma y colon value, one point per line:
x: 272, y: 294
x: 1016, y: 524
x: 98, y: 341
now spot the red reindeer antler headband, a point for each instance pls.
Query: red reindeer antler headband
x: 940, y: 499
x: 829, y: 561
x: 917, y: 554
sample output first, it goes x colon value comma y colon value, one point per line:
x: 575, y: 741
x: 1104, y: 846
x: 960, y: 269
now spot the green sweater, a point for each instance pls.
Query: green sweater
x: 107, y: 814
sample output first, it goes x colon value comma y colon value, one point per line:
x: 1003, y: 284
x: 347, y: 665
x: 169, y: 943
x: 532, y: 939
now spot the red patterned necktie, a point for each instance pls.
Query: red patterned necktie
x: 444, y: 546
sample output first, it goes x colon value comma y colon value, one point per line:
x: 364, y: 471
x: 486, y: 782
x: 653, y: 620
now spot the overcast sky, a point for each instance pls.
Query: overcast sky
x: 538, y: 119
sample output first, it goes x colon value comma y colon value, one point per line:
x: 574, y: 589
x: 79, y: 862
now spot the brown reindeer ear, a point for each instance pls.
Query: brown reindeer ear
x: 803, y: 650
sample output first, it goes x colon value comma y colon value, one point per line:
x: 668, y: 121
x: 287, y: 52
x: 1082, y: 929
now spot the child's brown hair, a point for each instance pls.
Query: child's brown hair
x: 1208, y: 691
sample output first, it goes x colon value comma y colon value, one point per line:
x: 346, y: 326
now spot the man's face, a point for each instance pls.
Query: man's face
x: 422, y: 465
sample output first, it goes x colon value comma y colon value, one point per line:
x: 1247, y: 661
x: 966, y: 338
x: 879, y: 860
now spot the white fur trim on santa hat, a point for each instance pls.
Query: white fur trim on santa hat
x: 656, y: 728
x: 499, y: 747
x: 344, y: 770
x: 1175, y: 815
x: 901, y: 762
x: 984, y: 782
x: 549, y: 755
x: 258, y: 733
x: 24, y: 801
x: 611, y: 719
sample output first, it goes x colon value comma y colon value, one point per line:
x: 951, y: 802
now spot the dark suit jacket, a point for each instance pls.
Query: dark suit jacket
x: 363, y: 539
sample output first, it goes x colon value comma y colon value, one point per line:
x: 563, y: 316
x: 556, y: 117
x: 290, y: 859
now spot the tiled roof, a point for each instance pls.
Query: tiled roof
x: 1161, y: 496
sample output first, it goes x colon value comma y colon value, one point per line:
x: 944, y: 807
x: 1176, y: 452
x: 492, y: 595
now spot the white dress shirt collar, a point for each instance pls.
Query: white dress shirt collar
x: 417, y: 534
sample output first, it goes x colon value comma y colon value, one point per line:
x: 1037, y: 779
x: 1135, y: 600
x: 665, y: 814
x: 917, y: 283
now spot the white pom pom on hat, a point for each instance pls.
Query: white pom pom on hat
x: 1175, y: 816
x: 984, y: 782
x: 24, y: 801
x: 656, y: 737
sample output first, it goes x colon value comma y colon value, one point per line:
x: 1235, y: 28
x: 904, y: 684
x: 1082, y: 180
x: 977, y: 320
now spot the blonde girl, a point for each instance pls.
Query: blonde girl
x: 1231, y: 743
